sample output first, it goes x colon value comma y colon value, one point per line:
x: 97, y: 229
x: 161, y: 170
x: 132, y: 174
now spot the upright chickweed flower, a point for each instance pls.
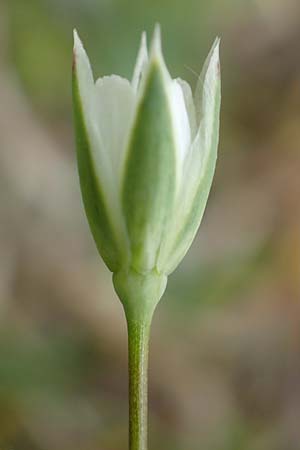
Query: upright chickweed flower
x: 146, y: 153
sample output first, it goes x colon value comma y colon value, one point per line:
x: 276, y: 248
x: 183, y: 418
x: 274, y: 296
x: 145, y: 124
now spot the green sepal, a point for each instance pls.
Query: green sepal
x: 149, y: 182
x: 92, y: 194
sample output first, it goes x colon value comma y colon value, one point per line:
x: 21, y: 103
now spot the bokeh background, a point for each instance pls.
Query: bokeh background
x: 225, y: 351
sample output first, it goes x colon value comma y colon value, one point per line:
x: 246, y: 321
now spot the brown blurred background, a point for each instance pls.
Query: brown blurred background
x: 225, y: 353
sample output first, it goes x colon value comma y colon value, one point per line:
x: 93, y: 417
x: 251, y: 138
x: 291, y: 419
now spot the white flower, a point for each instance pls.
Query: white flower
x: 146, y: 155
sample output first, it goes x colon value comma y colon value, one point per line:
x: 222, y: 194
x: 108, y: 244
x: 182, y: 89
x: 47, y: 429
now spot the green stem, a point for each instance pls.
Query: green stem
x: 139, y: 294
x: 138, y: 346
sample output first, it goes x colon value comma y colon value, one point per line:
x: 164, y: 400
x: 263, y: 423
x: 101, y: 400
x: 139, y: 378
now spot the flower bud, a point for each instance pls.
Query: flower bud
x: 146, y: 153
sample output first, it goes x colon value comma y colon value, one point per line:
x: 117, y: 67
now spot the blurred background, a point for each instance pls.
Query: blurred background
x: 225, y: 350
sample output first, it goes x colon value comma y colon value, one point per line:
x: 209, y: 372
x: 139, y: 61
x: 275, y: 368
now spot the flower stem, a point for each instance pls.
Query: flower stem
x: 139, y: 294
x: 138, y: 346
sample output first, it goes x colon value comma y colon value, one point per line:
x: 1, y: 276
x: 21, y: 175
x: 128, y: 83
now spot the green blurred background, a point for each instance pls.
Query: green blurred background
x: 225, y: 351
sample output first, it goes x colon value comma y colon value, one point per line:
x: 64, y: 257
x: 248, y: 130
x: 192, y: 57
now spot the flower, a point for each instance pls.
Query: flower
x: 146, y: 154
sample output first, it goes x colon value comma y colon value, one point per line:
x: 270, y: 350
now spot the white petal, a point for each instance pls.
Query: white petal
x: 189, y: 104
x: 141, y: 63
x: 181, y: 121
x: 115, y: 106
